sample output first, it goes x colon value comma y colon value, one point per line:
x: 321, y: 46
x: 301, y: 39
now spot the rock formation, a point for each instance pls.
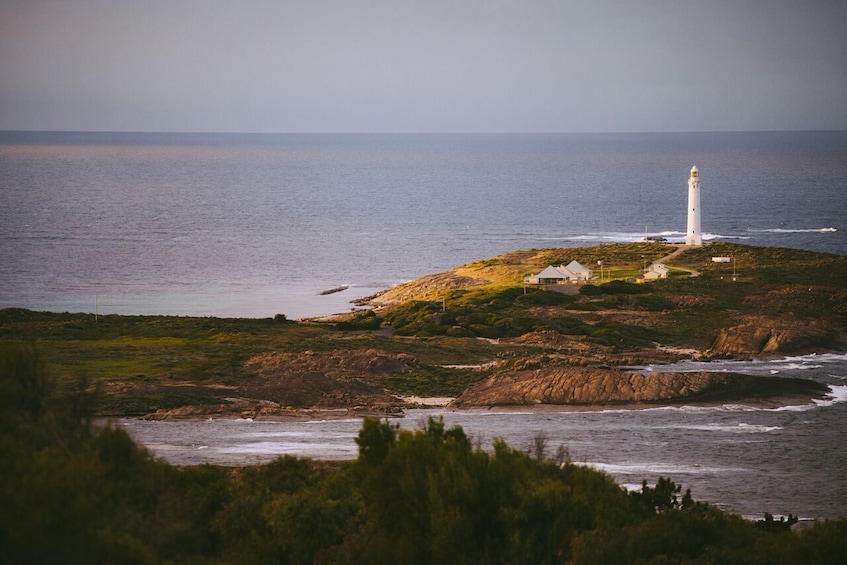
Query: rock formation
x: 564, y: 385
x: 759, y: 335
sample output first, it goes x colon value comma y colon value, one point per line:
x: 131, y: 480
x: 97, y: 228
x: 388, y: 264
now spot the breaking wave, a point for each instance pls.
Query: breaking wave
x: 794, y: 230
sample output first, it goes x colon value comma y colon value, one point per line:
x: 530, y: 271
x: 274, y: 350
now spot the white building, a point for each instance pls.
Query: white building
x: 692, y: 234
x: 572, y: 272
x: 655, y: 271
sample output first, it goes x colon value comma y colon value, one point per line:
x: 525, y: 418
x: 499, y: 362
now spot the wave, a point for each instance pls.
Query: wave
x: 714, y: 236
x: 788, y: 363
x: 299, y: 435
x: 666, y: 469
x: 292, y: 448
x: 635, y: 237
x: 836, y: 394
x: 819, y: 357
x: 672, y: 236
x: 740, y: 428
x: 794, y: 230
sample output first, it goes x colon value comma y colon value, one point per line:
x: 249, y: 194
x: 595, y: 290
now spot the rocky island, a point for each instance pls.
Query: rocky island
x: 477, y: 334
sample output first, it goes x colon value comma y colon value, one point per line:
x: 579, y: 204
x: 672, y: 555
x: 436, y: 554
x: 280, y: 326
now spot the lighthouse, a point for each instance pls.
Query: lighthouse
x: 692, y: 235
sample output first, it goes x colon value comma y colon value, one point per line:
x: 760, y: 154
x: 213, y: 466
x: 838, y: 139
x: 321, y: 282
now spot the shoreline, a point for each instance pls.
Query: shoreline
x: 436, y: 404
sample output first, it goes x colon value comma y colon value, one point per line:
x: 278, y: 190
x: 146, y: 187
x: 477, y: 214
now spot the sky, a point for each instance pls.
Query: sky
x: 423, y: 65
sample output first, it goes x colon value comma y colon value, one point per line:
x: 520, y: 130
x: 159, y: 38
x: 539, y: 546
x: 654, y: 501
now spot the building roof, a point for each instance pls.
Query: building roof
x: 552, y: 272
x: 575, y: 267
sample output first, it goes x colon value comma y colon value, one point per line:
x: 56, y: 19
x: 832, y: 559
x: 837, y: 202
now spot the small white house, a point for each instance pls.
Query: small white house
x: 572, y: 272
x: 655, y: 271
x: 579, y: 272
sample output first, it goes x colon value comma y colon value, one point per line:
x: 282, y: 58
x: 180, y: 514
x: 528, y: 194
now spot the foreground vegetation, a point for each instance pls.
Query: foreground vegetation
x: 77, y: 492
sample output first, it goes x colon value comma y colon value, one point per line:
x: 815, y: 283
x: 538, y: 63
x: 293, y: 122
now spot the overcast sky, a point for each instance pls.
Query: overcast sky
x: 423, y: 65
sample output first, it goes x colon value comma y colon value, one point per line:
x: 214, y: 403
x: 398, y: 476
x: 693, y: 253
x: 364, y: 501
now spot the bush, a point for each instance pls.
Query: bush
x: 78, y: 493
x: 364, y: 320
x: 543, y: 298
x: 613, y: 287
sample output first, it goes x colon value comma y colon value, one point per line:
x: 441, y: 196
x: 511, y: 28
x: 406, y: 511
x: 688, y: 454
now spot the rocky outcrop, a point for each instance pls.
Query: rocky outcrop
x: 761, y: 335
x: 333, y: 379
x: 598, y: 386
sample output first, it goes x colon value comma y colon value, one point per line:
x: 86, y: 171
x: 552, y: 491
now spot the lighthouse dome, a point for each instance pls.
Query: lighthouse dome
x: 694, y: 171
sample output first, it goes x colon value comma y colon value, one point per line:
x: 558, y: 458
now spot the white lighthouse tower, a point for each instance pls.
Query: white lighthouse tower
x: 692, y: 235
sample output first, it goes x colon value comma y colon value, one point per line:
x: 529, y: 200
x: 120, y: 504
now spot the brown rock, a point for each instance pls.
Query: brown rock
x: 758, y: 335
x: 598, y: 386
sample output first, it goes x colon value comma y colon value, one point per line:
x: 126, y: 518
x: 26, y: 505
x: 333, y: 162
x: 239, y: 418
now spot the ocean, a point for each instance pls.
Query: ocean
x: 236, y: 225
x: 253, y: 225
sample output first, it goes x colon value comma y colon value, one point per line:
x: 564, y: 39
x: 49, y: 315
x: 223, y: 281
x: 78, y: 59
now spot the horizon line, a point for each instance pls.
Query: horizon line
x: 604, y: 132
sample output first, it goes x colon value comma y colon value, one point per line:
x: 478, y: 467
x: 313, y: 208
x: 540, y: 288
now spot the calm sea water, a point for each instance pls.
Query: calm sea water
x: 254, y: 225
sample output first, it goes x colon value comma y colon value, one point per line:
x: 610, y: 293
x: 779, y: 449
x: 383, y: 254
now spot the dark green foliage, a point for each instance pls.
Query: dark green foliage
x: 486, y: 314
x: 613, y: 287
x: 76, y: 492
x: 781, y: 525
x: 374, y: 439
x: 417, y: 318
x: 433, y: 381
x: 663, y: 497
x: 543, y: 298
x: 364, y: 320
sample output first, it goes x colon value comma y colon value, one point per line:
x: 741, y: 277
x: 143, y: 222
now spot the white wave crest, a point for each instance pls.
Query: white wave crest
x: 794, y: 230
x: 818, y: 357
x: 653, y: 469
x: 737, y: 428
x: 837, y: 394
x: 713, y: 236
x: 788, y: 363
x: 292, y: 448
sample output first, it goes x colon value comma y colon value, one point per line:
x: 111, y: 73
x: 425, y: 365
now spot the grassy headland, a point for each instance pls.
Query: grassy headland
x: 442, y: 333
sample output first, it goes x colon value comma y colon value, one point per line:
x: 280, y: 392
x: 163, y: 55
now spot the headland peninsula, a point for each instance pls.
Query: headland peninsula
x: 476, y: 336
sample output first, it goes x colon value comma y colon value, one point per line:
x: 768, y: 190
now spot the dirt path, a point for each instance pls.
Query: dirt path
x: 676, y: 252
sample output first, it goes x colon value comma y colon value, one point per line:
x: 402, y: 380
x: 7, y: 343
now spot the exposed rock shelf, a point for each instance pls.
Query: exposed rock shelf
x: 599, y: 386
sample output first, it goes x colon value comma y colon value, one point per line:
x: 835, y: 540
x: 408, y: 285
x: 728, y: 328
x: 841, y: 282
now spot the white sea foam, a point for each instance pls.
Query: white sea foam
x: 660, y: 469
x: 634, y: 237
x: 837, y: 393
x: 788, y: 363
x: 310, y: 449
x: 631, y: 487
x: 713, y: 236
x: 729, y: 428
x: 290, y: 434
x: 817, y: 357
x: 799, y: 230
